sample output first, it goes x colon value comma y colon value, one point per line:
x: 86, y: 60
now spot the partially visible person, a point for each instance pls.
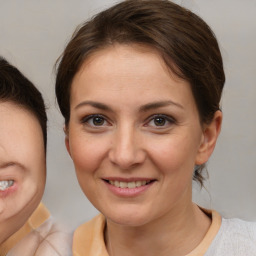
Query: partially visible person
x: 139, y: 86
x: 26, y: 227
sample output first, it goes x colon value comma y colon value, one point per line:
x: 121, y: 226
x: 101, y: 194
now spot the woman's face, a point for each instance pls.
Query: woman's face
x: 134, y: 135
x: 22, y: 167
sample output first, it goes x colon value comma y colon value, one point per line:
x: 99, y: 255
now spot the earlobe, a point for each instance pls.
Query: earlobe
x: 67, y: 140
x: 209, y: 139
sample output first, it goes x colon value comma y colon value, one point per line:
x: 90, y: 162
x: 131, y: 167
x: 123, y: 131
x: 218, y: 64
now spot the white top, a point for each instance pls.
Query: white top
x: 234, y: 238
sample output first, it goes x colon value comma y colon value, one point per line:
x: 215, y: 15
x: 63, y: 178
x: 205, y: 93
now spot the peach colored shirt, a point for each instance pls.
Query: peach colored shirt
x: 88, y: 238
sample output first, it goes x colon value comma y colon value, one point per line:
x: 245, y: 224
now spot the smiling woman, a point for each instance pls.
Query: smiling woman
x: 139, y: 87
x: 26, y: 227
x: 130, y: 141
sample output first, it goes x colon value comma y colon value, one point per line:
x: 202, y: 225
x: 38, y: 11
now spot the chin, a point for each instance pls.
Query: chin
x: 128, y: 217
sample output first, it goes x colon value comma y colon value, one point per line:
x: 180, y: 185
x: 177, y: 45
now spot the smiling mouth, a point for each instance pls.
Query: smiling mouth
x: 131, y: 184
x: 4, y: 184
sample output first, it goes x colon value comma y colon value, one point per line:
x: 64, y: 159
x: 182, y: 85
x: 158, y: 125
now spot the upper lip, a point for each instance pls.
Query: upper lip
x: 128, y: 179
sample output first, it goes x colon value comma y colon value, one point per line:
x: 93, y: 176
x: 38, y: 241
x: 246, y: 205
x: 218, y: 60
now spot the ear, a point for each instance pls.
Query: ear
x: 65, y: 129
x: 209, y: 138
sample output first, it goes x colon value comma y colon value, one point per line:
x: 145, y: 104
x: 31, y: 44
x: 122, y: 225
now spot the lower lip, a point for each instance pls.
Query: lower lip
x: 128, y: 192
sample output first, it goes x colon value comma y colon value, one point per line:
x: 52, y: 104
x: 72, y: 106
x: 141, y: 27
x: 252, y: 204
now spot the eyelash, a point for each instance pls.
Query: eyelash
x: 89, y: 118
x: 167, y: 121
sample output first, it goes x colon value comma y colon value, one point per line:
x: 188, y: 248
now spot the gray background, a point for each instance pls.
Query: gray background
x: 34, y: 33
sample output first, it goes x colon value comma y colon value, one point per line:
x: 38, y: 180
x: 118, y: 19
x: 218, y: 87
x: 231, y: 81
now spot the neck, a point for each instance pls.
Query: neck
x: 176, y: 233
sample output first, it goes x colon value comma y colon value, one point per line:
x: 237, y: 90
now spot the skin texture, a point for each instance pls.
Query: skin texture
x: 22, y: 159
x: 147, y: 128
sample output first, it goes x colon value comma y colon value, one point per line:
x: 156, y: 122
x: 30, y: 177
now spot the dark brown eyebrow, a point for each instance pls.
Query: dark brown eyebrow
x: 159, y: 104
x: 94, y: 104
x: 144, y: 108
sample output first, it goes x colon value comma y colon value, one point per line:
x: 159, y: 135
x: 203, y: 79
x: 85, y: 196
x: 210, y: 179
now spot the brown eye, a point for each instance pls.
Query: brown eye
x: 159, y: 121
x: 94, y: 121
x: 98, y: 121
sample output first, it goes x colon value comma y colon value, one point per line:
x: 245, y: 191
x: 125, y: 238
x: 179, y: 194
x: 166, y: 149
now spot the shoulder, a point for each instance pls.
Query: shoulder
x: 239, y: 227
x: 95, y: 224
x: 235, y: 237
x: 54, y: 239
x: 237, y: 232
x: 47, y: 239
x: 89, y: 237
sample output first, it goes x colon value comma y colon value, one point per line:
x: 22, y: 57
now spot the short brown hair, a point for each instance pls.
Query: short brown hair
x: 16, y: 88
x: 186, y: 43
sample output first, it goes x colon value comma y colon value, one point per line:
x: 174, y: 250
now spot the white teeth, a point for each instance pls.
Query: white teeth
x: 138, y: 183
x: 123, y: 184
x: 132, y: 184
x: 4, y: 184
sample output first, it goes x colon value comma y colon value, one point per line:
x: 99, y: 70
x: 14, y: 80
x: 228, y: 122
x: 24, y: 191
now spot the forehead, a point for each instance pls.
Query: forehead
x: 16, y: 116
x: 124, y: 66
x: 119, y: 52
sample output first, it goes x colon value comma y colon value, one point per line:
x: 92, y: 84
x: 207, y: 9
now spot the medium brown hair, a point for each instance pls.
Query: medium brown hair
x: 185, y: 42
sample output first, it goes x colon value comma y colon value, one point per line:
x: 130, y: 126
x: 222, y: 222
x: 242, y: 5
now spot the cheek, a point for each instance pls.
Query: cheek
x: 25, y: 199
x: 34, y: 183
x: 173, y: 154
x: 175, y: 165
x: 27, y: 196
x: 87, y: 154
x: 174, y: 158
x: 16, y: 209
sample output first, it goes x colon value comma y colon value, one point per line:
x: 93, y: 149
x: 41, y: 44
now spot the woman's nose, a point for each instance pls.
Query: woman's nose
x: 127, y: 149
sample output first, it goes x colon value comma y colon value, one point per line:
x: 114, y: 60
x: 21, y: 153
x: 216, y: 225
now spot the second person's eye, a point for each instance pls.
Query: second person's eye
x: 160, y: 121
x: 95, y: 120
x: 98, y: 121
